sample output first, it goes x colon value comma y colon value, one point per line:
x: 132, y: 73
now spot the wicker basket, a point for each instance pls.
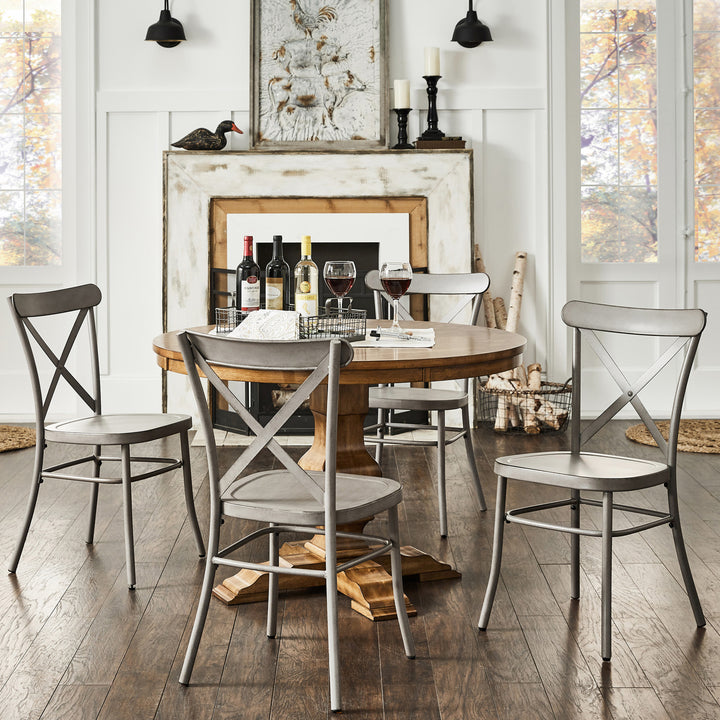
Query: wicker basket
x: 550, y: 407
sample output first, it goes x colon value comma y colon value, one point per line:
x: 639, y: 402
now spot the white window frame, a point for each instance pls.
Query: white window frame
x: 78, y: 148
x: 675, y: 199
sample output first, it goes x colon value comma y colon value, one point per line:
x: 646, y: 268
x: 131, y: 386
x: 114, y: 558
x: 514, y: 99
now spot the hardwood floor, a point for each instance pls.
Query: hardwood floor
x: 76, y: 644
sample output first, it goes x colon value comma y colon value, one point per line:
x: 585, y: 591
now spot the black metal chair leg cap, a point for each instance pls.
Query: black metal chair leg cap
x: 606, y: 659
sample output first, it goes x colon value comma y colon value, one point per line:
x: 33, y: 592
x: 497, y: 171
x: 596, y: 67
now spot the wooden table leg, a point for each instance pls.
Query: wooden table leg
x: 369, y: 586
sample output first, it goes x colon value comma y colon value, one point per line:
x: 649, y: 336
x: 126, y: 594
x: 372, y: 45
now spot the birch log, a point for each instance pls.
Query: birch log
x: 516, y: 291
x: 500, y: 313
x: 488, y: 307
x: 534, y: 379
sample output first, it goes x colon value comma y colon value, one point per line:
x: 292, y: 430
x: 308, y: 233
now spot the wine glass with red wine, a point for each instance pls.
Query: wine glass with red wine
x: 339, y: 277
x: 395, y: 278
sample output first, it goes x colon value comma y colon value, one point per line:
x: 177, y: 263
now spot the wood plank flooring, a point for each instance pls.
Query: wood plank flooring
x: 76, y: 644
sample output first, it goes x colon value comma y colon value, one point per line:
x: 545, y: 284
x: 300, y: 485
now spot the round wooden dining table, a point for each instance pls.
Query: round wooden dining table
x: 460, y: 351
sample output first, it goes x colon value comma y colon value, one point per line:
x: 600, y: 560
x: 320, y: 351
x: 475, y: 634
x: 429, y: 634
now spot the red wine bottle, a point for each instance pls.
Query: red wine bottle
x: 247, y: 279
x: 277, y: 279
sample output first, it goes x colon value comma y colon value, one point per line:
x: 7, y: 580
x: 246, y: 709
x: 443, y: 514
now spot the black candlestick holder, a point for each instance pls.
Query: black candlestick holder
x: 402, y: 121
x: 432, y: 132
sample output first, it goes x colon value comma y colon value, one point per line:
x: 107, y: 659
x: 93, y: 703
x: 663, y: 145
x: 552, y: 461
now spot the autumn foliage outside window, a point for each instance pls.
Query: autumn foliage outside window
x: 30, y: 133
x: 618, y: 131
x: 706, y: 72
x: 619, y: 121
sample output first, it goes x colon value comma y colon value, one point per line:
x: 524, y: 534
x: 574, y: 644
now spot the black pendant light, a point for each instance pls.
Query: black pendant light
x: 167, y: 31
x: 471, y: 32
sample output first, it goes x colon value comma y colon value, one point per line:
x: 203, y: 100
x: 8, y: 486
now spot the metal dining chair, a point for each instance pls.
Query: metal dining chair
x: 288, y: 499
x: 77, y: 304
x: 602, y: 328
x: 465, y: 292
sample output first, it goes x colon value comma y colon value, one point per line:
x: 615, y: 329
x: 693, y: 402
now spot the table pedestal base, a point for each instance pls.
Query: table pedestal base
x: 369, y: 585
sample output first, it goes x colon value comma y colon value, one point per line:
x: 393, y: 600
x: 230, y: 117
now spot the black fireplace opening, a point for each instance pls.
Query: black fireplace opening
x: 261, y: 398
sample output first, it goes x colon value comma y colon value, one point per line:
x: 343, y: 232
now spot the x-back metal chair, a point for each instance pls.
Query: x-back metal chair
x: 462, y: 291
x: 580, y: 471
x: 97, y: 429
x: 288, y: 499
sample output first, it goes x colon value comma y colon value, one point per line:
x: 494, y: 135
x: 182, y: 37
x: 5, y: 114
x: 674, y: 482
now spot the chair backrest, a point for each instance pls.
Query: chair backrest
x: 81, y: 301
x: 681, y: 331
x: 467, y: 287
x: 320, y: 360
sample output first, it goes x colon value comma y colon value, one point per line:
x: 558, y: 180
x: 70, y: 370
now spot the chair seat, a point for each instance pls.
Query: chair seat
x: 409, y: 398
x: 276, y: 496
x: 584, y: 471
x: 117, y: 429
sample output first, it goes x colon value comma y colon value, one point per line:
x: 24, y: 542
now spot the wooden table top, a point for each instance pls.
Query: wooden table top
x: 460, y: 351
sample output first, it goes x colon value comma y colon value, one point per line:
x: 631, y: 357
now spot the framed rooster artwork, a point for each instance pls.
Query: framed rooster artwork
x: 318, y: 75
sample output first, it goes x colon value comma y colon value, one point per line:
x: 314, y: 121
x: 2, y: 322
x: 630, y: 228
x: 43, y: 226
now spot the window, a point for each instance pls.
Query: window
x: 30, y: 133
x: 618, y: 131
x: 706, y: 76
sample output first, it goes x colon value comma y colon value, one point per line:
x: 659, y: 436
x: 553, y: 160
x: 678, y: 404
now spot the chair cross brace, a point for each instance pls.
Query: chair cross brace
x: 629, y: 391
x: 59, y: 363
x: 265, y: 435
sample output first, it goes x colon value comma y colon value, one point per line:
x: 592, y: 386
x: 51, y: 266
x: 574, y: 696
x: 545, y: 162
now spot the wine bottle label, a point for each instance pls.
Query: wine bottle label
x: 274, y: 293
x: 306, y: 303
x: 250, y: 294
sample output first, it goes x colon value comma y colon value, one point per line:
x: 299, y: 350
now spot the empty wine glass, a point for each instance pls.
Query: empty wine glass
x: 395, y: 278
x: 339, y: 277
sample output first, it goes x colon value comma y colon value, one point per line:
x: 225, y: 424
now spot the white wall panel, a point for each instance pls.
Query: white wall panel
x: 133, y: 294
x: 506, y: 201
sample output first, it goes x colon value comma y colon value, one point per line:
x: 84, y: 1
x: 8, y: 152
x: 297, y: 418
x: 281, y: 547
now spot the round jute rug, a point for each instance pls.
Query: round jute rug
x: 13, y: 437
x: 695, y: 436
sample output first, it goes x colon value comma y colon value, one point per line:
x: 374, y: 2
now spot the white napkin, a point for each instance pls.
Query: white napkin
x: 268, y: 325
x: 387, y: 339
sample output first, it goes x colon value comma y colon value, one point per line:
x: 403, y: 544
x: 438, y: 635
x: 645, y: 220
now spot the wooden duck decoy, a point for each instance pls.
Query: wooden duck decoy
x: 203, y: 139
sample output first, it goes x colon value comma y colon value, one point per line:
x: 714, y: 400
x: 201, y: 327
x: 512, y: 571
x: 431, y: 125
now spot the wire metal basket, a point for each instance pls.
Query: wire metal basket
x: 531, y: 411
x: 350, y: 324
x: 227, y: 319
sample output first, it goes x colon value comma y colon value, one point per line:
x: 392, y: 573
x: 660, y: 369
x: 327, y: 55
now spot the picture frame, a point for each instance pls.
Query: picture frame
x: 319, y: 75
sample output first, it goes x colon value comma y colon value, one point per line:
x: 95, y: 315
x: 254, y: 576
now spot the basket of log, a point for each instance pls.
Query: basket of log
x: 507, y: 404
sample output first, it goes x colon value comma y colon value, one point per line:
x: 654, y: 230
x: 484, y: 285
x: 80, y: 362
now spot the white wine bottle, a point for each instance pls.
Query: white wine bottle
x: 306, y: 281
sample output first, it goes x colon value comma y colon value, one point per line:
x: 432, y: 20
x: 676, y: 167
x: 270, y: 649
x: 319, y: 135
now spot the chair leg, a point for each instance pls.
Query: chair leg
x: 274, y: 559
x: 471, y: 458
x: 90, y: 538
x: 32, y: 501
x: 397, y: 583
x: 682, y: 554
x: 189, y: 498
x: 127, y: 515
x: 203, y: 602
x: 442, y: 497
x: 606, y: 592
x: 575, y: 547
x: 382, y: 420
x: 332, y: 620
x: 496, y: 554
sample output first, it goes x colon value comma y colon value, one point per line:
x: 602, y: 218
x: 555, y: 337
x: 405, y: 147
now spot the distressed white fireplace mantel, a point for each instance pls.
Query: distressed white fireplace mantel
x: 194, y: 179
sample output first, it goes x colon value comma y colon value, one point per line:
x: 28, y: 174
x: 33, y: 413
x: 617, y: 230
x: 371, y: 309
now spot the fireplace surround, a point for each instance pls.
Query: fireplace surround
x: 434, y: 188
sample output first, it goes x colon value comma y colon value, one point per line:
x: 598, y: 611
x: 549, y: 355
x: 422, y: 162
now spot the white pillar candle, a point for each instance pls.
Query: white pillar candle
x: 402, y: 93
x: 432, y: 61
